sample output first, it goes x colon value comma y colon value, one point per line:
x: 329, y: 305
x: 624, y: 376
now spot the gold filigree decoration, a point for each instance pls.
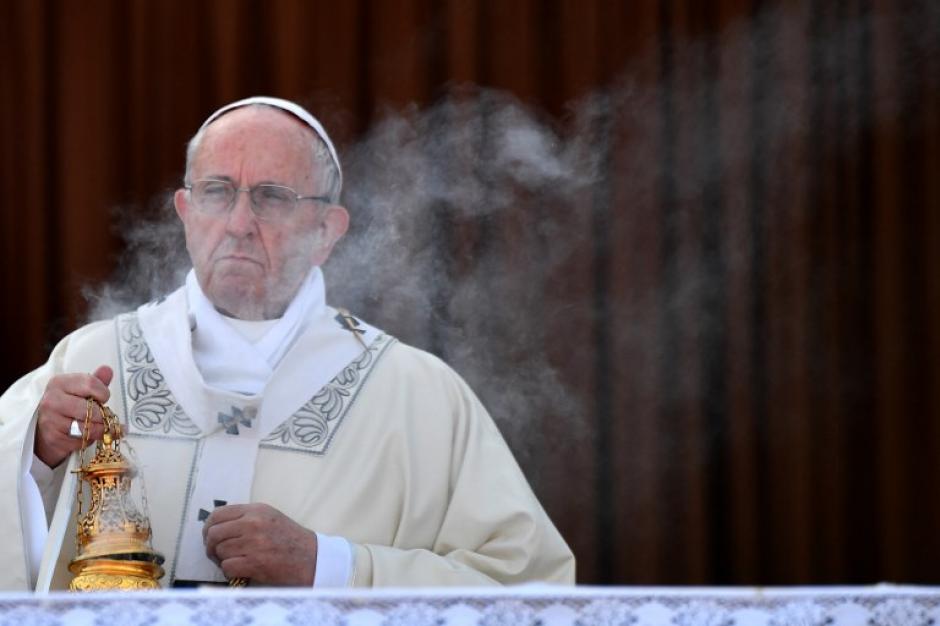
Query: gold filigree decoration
x: 113, y: 537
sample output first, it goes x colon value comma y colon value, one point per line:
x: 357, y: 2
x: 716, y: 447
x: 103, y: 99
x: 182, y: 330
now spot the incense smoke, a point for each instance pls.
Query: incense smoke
x: 479, y: 224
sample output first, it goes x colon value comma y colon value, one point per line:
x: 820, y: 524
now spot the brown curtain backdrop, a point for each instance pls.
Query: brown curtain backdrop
x: 711, y: 340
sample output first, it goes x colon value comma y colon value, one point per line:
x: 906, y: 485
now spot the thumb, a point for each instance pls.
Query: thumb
x: 104, y: 374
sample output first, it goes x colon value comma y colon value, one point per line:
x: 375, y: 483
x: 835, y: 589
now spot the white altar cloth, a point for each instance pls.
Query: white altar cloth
x: 882, y: 605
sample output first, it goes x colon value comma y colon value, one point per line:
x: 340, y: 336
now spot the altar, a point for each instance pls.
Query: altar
x: 881, y: 605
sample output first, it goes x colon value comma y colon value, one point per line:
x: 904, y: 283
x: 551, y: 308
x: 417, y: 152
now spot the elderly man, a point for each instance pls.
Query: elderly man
x: 280, y: 440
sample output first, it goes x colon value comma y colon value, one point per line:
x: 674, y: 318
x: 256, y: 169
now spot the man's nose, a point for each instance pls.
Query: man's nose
x: 242, y: 220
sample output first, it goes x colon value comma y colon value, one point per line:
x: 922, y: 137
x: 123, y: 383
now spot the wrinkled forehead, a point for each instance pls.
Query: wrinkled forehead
x: 291, y: 108
x: 256, y: 137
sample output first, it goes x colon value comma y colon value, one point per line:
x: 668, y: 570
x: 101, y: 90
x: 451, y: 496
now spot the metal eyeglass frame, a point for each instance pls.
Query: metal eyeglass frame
x: 251, y: 200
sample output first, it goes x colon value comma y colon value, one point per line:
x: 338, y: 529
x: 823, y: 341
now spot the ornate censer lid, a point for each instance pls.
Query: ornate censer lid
x: 113, y: 538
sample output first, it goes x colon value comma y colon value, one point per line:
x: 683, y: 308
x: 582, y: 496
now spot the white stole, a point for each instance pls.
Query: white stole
x: 226, y: 359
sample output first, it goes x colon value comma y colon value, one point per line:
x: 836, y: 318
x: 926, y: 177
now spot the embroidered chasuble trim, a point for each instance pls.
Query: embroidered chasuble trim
x: 153, y: 407
x: 151, y: 410
x: 312, y: 428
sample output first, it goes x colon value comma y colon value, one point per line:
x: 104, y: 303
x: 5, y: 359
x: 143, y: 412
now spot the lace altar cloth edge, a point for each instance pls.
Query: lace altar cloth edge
x: 887, y: 605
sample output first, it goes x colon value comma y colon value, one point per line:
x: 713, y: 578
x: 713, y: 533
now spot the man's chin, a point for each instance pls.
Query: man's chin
x: 237, y: 299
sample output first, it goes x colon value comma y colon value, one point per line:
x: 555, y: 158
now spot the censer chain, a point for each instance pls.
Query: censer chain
x: 89, y: 408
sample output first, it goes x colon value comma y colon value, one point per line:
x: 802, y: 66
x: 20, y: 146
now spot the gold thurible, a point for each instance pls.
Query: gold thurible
x: 113, y: 538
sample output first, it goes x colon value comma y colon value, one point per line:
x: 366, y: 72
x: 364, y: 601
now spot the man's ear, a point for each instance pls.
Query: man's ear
x: 332, y: 227
x: 181, y: 203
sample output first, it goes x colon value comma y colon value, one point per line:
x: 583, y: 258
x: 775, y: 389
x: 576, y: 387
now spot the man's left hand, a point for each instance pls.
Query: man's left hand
x: 259, y: 542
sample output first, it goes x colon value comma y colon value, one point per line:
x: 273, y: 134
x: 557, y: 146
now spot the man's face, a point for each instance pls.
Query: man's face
x: 248, y: 267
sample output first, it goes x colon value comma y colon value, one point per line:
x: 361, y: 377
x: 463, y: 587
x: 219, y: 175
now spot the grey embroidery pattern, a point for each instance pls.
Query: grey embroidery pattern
x: 153, y: 408
x: 312, y: 427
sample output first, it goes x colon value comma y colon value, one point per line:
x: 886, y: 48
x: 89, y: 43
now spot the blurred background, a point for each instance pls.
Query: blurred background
x: 684, y: 251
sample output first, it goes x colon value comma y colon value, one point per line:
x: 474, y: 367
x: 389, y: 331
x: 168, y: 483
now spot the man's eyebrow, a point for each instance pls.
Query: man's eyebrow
x: 229, y: 179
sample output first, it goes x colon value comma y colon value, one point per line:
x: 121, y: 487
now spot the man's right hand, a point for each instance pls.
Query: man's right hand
x: 63, y: 401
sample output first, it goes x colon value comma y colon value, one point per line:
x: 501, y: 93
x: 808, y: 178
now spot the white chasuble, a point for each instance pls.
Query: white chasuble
x: 391, y: 451
x: 208, y: 439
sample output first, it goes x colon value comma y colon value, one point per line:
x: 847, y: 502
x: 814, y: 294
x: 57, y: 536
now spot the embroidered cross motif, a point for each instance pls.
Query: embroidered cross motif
x: 238, y: 416
x: 204, y: 514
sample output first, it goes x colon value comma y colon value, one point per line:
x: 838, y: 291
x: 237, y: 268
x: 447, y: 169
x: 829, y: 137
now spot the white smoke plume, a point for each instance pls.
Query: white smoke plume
x: 470, y: 216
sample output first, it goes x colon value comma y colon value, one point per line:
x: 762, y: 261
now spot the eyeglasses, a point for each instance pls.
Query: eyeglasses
x: 268, y: 202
